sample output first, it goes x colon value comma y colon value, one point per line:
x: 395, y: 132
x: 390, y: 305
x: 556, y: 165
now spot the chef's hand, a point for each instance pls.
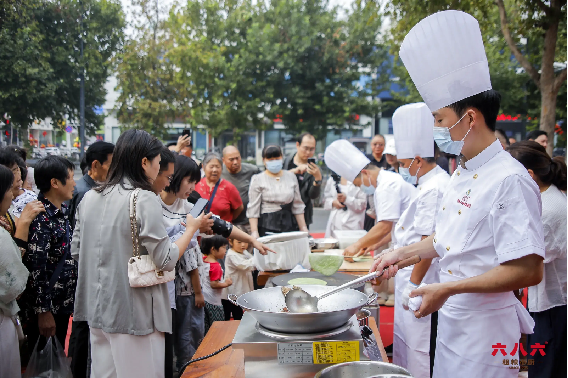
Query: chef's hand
x: 433, y: 298
x: 385, y: 261
x: 406, y: 292
x: 262, y: 248
x: 341, y: 197
x: 314, y: 170
x: 336, y: 204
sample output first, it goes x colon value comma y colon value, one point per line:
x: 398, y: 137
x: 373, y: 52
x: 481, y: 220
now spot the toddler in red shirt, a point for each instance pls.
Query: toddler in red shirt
x: 213, y: 249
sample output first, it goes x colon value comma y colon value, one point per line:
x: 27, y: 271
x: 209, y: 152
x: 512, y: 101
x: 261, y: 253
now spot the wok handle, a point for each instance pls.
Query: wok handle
x: 372, y: 298
x: 233, y: 299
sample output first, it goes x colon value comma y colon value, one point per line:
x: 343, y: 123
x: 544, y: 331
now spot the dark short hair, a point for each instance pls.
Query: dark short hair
x: 535, y: 134
x: 184, y: 167
x: 98, y: 151
x: 487, y: 103
x: 436, y: 154
x: 6, y: 180
x: 212, y: 242
x: 8, y: 157
x: 504, y: 135
x: 51, y: 167
x: 534, y: 157
x: 131, y: 148
x: 167, y: 158
x: 21, y: 152
x: 83, y: 165
x: 272, y: 151
x: 301, y: 137
x: 171, y: 144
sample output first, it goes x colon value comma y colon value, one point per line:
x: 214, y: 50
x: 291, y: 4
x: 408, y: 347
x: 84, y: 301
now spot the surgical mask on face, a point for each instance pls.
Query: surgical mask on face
x: 444, y: 139
x: 274, y: 166
x: 405, y: 173
x: 368, y: 190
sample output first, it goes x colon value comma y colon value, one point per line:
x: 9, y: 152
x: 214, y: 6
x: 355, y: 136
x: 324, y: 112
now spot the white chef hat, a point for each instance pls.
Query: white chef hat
x: 445, y: 58
x: 413, y: 128
x: 390, y: 148
x: 345, y: 159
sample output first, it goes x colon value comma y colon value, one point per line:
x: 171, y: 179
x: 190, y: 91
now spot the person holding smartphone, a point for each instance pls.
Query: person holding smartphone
x: 309, y: 176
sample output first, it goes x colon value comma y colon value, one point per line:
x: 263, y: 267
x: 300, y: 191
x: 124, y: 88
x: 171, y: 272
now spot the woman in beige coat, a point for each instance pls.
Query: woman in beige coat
x: 127, y: 324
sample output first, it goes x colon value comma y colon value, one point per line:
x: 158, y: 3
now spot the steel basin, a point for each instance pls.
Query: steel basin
x: 363, y: 369
x: 326, y: 243
x: 266, y: 306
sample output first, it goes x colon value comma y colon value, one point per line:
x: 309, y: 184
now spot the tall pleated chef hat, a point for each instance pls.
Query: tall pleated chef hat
x: 390, y: 148
x: 445, y: 58
x: 345, y: 159
x: 413, y: 128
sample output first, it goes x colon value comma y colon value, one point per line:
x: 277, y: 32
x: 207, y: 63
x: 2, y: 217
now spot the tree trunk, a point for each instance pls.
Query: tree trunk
x: 548, y: 113
x: 548, y: 91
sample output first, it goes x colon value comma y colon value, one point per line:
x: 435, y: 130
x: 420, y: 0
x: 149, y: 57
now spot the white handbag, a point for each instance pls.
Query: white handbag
x: 142, y: 271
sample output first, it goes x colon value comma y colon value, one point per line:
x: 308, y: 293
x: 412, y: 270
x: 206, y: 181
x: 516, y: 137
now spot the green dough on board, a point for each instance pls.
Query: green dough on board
x: 306, y: 281
x: 325, y: 264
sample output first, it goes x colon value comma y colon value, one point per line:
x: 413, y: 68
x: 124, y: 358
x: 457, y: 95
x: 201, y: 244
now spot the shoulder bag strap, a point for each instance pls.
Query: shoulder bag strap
x: 133, y: 199
x: 210, y: 203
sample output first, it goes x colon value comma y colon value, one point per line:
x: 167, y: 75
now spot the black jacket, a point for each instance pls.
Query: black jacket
x: 308, y: 191
x: 83, y: 185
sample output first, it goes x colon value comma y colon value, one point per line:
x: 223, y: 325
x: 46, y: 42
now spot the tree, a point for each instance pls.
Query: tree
x: 145, y: 76
x: 542, y: 26
x: 40, y: 61
x: 237, y: 64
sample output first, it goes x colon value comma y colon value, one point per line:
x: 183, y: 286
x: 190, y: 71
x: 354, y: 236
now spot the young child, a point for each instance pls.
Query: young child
x: 238, y: 267
x: 213, y: 249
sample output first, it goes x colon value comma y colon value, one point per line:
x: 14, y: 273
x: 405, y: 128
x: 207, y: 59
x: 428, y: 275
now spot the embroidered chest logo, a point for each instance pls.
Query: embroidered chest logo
x: 465, y: 199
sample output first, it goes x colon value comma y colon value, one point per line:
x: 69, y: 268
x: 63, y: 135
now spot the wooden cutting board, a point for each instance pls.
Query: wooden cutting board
x: 350, y: 266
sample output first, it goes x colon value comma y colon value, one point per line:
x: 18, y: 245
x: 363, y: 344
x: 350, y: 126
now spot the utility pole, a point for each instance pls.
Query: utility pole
x: 82, y: 94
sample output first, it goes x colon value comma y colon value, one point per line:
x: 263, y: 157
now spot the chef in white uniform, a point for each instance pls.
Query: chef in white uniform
x: 413, y: 133
x: 347, y: 208
x: 489, y: 234
x: 393, y: 195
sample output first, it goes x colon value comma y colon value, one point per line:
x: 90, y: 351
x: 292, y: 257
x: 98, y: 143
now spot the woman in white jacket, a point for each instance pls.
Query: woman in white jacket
x: 13, y: 279
x: 350, y: 197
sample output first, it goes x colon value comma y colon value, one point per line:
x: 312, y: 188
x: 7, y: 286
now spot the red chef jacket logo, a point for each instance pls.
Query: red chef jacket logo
x: 465, y: 199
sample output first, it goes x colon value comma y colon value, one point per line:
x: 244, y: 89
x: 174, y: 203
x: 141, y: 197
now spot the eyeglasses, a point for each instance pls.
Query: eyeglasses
x: 170, y: 178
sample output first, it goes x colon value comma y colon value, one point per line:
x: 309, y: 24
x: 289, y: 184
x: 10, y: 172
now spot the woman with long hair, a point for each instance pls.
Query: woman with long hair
x: 547, y: 300
x: 127, y: 323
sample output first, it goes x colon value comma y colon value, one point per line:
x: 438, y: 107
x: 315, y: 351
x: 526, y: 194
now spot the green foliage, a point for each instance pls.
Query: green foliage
x: 40, y: 60
x: 237, y: 65
x: 519, y: 93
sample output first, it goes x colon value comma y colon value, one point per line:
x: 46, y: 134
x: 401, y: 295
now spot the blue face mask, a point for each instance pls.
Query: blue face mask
x: 368, y: 190
x: 405, y: 173
x: 444, y: 139
x: 274, y: 166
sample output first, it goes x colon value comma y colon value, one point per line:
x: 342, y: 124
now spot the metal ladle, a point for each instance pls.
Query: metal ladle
x: 297, y: 300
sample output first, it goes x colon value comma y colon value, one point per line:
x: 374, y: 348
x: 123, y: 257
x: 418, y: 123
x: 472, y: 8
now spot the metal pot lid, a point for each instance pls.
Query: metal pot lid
x: 302, y: 336
x: 336, y: 279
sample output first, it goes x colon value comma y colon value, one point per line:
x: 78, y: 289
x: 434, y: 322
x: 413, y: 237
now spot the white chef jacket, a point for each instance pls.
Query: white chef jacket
x: 392, y: 196
x: 490, y: 215
x: 411, y: 343
x: 339, y: 219
x: 551, y: 291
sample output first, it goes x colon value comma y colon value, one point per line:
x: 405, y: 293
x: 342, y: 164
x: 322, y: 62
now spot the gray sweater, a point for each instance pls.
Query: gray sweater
x: 102, y: 244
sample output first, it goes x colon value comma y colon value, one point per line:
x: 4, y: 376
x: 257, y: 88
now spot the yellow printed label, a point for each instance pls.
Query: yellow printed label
x: 332, y: 352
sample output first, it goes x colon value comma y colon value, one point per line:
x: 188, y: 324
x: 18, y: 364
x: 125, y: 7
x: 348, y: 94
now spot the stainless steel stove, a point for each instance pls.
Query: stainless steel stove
x: 275, y: 355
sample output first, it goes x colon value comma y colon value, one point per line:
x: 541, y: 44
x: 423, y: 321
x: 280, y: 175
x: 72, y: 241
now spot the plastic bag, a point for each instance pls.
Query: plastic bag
x: 50, y: 362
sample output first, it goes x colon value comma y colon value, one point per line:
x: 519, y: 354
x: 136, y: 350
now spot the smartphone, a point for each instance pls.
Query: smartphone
x: 311, y: 160
x: 198, y: 207
x: 186, y: 132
